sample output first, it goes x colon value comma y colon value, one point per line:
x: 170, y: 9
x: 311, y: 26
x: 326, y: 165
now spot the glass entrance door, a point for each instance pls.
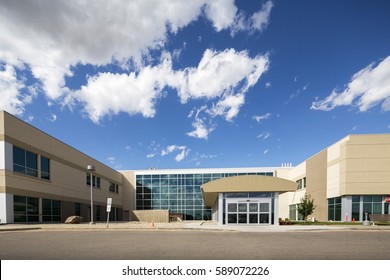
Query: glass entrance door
x: 248, y: 212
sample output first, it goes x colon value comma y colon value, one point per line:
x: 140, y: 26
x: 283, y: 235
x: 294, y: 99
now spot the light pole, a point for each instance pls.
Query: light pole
x: 91, y: 168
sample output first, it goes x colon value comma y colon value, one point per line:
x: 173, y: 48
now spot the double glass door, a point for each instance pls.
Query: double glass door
x: 248, y: 212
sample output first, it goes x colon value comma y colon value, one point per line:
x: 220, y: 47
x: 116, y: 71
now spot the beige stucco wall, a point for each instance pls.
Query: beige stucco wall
x: 364, y: 165
x: 129, y: 189
x: 316, y: 182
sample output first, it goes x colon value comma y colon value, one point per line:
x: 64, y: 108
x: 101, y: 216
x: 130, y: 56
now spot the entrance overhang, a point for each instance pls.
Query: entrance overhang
x: 246, y: 183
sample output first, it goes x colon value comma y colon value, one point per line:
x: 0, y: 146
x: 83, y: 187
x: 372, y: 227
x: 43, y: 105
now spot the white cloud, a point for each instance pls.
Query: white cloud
x: 262, y: 117
x: 367, y: 88
x: 30, y: 118
x: 53, y: 117
x: 111, y: 160
x: 219, y: 73
x: 265, y: 152
x: 200, y: 129
x: 222, y: 13
x: 260, y: 19
x: 11, y: 99
x: 221, y: 76
x: 150, y: 155
x: 183, y: 152
x: 268, y: 84
x: 49, y: 39
x: 225, y: 76
x: 108, y: 93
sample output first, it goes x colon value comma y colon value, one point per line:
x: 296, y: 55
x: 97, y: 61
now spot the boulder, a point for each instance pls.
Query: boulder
x: 74, y: 220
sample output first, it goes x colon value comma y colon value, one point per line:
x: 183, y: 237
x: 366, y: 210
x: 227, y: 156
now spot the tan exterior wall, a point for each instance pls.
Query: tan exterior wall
x: 129, y: 197
x: 316, y: 175
x: 364, y: 167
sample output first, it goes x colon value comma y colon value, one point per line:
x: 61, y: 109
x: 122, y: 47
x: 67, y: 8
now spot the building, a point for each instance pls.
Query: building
x: 228, y: 196
x: 346, y: 180
x: 45, y: 180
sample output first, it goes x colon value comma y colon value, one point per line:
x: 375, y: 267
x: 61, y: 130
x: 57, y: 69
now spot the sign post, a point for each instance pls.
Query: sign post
x: 109, y: 202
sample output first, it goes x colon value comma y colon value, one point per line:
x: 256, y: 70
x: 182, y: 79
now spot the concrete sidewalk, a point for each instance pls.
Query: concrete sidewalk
x: 209, y: 226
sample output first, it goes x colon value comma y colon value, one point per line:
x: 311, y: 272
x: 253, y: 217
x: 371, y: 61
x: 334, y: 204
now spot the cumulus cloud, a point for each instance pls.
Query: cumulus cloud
x: 223, y: 77
x: 367, y: 88
x: 56, y: 35
x: 110, y: 93
x: 12, y: 100
x: 222, y: 13
x: 183, y: 151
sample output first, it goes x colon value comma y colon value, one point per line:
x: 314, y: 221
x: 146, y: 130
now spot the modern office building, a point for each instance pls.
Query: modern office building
x: 228, y: 196
x: 45, y: 180
x: 346, y: 180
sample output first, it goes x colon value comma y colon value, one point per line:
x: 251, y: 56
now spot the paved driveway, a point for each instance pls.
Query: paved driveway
x: 194, y: 244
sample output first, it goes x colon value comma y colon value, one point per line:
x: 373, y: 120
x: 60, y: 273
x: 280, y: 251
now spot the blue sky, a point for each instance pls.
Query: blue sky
x: 197, y: 84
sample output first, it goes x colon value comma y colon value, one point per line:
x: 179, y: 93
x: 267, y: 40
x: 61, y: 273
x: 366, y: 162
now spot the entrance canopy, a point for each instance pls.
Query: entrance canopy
x: 246, y: 183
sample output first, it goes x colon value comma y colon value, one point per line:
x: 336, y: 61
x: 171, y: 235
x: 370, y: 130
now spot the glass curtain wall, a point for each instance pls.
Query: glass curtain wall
x: 180, y: 193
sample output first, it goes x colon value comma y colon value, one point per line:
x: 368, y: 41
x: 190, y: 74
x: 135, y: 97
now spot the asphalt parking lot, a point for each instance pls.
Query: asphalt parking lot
x: 194, y: 244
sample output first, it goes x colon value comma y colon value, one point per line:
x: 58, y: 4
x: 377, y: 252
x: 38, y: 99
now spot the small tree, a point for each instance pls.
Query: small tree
x: 306, y: 207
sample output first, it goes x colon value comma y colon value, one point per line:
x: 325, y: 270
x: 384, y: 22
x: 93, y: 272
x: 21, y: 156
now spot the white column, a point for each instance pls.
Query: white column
x: 276, y: 209
x: 220, y: 209
x: 6, y: 208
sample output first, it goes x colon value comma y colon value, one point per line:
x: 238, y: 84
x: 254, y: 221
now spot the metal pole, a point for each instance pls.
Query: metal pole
x: 91, y: 169
x: 91, y: 201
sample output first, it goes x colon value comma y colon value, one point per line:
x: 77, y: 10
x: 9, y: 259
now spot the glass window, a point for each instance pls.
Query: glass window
x: 25, y: 162
x: 367, y: 198
x: 77, y: 209
x: 114, y: 188
x: 377, y: 208
x: 19, y: 156
x: 45, y: 168
x: 88, y: 179
x: 26, y: 209
x: 98, y: 182
x: 334, y: 209
x: 355, y: 211
x: 232, y: 207
x: 51, y: 210
x: 356, y: 198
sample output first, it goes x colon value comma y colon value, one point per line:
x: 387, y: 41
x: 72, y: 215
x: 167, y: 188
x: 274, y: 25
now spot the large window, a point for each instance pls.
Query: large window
x: 25, y: 162
x: 45, y: 168
x: 180, y: 193
x: 26, y: 209
x: 51, y: 210
x: 334, y: 209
